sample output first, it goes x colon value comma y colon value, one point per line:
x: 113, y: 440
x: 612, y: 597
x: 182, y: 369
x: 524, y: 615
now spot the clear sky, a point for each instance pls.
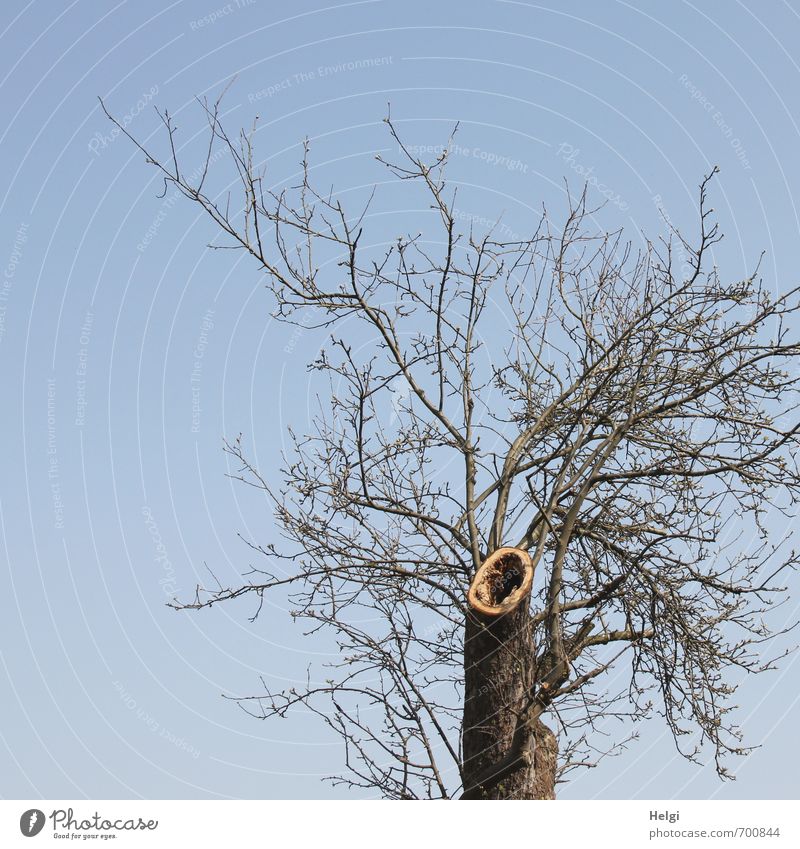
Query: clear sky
x: 128, y: 350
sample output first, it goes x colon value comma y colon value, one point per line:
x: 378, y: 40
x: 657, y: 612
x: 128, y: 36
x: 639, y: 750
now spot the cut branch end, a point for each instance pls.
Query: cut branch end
x: 504, y: 579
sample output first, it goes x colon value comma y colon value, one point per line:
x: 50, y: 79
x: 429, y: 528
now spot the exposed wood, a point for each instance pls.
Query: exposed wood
x: 504, y: 579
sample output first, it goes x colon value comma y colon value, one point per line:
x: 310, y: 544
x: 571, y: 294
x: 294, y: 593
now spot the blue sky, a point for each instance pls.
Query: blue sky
x: 128, y: 349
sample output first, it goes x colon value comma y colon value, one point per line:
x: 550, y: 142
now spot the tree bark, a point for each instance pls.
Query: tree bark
x: 504, y: 755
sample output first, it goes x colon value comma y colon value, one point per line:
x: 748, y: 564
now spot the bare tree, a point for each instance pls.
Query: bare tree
x: 584, y: 444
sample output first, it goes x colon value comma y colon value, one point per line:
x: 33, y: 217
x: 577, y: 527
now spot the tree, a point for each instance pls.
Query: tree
x: 584, y: 444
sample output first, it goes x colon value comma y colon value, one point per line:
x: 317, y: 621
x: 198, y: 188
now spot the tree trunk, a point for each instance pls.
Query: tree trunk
x: 504, y: 757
